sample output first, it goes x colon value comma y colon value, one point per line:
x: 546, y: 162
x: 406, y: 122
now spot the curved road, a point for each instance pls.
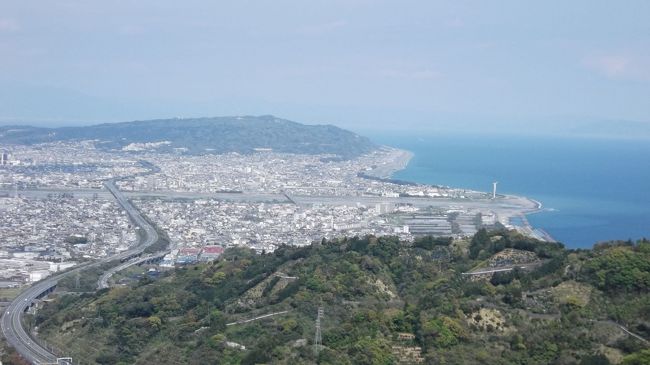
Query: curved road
x: 12, y: 327
x: 102, y: 283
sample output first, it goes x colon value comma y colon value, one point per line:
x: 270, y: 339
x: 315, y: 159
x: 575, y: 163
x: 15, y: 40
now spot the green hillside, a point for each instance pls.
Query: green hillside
x: 383, y: 301
x: 205, y: 135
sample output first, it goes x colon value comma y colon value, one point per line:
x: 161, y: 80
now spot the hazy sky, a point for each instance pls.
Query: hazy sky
x: 355, y: 63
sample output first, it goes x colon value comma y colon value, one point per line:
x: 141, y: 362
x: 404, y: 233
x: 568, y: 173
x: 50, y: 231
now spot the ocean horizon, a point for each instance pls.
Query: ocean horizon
x: 591, y: 190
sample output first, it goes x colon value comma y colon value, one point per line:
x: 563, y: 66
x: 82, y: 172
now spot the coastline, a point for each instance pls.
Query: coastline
x: 539, y: 204
x: 401, y: 160
x: 398, y: 161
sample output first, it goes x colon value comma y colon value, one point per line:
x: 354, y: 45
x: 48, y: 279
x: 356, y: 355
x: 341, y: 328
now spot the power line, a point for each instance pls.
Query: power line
x: 318, y: 338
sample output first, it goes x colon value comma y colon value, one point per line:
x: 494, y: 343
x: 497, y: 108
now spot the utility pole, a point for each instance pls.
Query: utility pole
x: 318, y: 338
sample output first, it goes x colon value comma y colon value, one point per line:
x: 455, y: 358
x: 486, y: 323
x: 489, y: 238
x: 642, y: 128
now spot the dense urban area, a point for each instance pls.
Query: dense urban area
x: 56, y: 211
x: 259, y: 251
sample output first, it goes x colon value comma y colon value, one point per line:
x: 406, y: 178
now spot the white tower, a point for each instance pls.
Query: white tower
x: 494, y: 189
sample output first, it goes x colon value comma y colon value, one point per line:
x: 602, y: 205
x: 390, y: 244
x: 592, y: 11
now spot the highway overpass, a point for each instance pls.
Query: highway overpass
x: 12, y: 319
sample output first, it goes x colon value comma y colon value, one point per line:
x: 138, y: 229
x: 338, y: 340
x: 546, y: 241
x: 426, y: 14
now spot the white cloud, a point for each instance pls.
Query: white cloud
x: 620, y: 66
x: 8, y: 25
x: 612, y: 66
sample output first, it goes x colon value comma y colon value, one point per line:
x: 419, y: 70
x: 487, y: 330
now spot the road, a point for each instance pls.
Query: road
x: 492, y: 270
x: 624, y: 329
x: 102, y: 283
x: 11, y: 323
x: 256, y: 318
x: 489, y: 271
x: 507, y: 206
x: 12, y: 319
x: 13, y: 330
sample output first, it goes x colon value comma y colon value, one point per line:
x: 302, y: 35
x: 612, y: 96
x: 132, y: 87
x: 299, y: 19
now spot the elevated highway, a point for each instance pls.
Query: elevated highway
x: 12, y: 320
x: 102, y: 283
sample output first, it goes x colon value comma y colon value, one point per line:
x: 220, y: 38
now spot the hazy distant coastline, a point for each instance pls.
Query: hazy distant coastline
x: 398, y: 160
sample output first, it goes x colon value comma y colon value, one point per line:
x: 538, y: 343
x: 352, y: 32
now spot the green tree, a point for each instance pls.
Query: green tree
x: 443, y: 332
x: 479, y: 242
x: 217, y: 320
x: 638, y: 358
x: 154, y: 322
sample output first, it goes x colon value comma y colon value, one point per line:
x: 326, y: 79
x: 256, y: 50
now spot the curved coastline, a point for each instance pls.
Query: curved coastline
x: 399, y: 161
x: 539, y: 204
x: 404, y: 158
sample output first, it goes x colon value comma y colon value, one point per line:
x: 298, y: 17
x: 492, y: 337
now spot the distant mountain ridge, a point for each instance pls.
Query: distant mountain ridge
x: 243, y: 134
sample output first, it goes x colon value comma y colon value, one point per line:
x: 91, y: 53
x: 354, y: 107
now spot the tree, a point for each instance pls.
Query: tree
x: 595, y: 360
x: 217, y: 320
x: 154, y: 322
x: 371, y: 352
x: 620, y: 268
x: 443, y: 332
x: 480, y: 241
x: 638, y: 358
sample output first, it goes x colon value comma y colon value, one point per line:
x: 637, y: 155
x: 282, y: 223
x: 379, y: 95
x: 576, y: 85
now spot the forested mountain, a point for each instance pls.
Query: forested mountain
x: 383, y: 302
x: 205, y: 135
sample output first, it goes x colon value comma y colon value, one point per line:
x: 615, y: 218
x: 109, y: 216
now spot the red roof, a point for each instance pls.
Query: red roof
x: 189, y: 251
x: 213, y: 249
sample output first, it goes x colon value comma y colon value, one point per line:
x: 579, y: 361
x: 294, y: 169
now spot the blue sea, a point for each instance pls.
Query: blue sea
x: 592, y: 190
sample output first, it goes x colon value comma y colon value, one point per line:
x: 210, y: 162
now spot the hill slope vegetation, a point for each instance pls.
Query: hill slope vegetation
x: 384, y: 302
x: 205, y: 135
